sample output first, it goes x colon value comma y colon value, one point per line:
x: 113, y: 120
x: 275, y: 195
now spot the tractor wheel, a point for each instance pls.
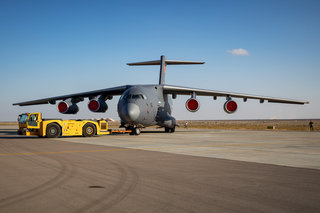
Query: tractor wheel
x: 88, y: 130
x: 53, y: 130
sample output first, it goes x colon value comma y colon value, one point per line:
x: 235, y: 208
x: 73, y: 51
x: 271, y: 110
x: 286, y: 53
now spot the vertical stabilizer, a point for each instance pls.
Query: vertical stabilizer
x: 162, y: 69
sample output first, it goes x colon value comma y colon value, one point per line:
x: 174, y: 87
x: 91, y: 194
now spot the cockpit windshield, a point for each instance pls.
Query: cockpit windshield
x: 134, y: 96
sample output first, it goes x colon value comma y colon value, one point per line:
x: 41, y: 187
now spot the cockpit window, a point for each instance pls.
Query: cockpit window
x: 134, y: 96
x: 123, y: 97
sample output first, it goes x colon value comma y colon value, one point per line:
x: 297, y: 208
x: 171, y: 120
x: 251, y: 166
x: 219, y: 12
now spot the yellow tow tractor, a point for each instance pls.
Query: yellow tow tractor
x: 33, y: 124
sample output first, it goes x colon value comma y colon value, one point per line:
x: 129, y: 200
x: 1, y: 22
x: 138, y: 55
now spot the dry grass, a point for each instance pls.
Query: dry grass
x: 8, y: 123
x: 293, y: 125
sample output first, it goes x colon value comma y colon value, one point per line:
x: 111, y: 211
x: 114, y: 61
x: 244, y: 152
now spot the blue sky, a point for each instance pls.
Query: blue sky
x: 50, y: 48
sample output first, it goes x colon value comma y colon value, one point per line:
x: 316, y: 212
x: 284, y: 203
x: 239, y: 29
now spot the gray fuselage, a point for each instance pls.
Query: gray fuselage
x: 145, y: 105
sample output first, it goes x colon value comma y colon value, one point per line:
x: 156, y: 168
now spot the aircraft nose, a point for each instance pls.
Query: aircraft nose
x: 133, y: 111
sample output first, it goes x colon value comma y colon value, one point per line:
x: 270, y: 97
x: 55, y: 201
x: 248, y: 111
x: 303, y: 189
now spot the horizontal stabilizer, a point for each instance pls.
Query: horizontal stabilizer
x: 167, y: 62
x: 163, y: 63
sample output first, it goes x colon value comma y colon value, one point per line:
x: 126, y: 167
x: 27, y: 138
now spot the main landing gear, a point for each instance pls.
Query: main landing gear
x: 169, y: 130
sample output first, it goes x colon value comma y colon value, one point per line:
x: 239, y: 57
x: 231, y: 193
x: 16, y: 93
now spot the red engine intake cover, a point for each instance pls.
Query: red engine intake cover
x: 230, y: 106
x: 67, y: 107
x: 94, y: 105
x: 192, y: 105
x: 62, y: 107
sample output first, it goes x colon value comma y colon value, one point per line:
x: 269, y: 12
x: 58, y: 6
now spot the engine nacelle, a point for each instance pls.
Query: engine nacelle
x: 192, y: 105
x: 97, y: 105
x: 230, y: 106
x: 67, y: 107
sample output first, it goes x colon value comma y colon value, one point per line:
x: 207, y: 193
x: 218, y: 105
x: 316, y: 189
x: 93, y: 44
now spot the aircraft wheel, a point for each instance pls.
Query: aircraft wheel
x: 89, y: 130
x: 136, y: 131
x: 53, y: 130
x: 168, y: 130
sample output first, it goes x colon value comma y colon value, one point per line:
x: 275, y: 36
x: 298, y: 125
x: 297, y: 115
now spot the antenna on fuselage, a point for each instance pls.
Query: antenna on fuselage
x: 163, y: 63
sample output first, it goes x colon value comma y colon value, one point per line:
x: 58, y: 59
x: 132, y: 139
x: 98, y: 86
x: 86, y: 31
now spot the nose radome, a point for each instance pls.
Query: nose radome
x: 133, y: 111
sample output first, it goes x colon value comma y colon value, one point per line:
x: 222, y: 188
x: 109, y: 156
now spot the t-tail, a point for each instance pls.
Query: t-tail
x: 163, y: 63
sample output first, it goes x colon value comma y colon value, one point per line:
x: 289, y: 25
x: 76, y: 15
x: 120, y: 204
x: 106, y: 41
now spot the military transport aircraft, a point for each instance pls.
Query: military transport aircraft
x: 145, y: 105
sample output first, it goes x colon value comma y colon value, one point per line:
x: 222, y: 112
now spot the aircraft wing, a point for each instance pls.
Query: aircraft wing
x: 178, y: 90
x: 78, y: 96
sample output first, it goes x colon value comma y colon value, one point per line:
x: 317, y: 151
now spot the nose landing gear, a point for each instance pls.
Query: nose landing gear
x: 134, y: 130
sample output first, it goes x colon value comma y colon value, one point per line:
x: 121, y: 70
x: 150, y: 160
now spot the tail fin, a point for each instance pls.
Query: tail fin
x: 163, y: 63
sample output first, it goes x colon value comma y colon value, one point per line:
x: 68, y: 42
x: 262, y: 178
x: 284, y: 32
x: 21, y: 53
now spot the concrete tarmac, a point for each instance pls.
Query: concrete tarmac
x: 297, y: 149
x: 158, y: 172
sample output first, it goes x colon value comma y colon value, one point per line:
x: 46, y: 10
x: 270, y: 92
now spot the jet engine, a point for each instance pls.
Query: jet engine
x: 192, y: 105
x: 230, y: 106
x: 98, y: 105
x: 67, y: 107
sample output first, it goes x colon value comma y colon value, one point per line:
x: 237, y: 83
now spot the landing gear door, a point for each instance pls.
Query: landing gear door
x: 33, y: 121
